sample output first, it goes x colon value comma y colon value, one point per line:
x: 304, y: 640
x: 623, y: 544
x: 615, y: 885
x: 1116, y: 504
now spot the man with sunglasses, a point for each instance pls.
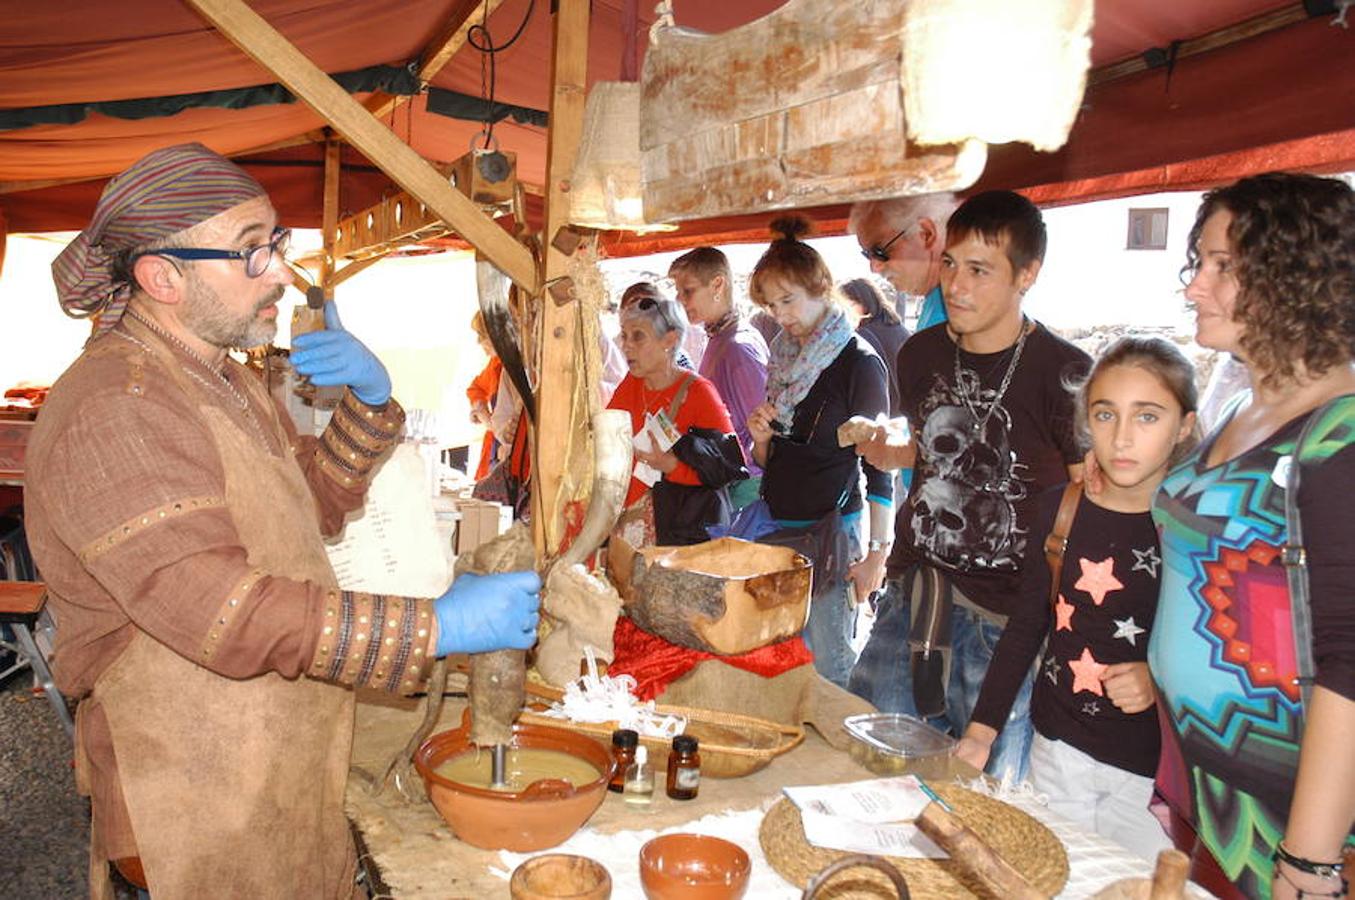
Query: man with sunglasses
x: 178, y: 519
x: 902, y: 239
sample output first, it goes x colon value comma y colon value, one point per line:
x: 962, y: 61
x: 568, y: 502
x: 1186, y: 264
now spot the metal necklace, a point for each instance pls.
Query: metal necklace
x: 962, y: 387
x: 220, y: 381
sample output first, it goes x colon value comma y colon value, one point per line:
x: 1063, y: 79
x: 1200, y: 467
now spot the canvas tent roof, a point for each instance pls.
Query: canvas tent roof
x: 1285, y: 98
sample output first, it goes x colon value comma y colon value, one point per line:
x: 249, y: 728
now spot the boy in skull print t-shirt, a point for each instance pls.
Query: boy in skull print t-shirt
x: 977, y: 476
x: 988, y: 403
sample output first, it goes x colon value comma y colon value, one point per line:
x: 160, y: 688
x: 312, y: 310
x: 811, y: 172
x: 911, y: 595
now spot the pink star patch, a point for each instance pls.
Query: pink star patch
x: 1064, y: 611
x: 1087, y: 673
x: 1098, y: 578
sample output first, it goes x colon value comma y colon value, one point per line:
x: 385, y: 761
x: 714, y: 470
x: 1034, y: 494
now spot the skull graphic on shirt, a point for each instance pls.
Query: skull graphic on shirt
x: 963, y: 509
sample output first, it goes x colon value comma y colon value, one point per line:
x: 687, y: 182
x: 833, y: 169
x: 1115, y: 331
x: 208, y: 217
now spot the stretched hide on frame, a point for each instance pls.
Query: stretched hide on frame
x: 803, y: 107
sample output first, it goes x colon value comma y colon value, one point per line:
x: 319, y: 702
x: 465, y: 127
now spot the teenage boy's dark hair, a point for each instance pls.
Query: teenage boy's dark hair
x: 995, y: 215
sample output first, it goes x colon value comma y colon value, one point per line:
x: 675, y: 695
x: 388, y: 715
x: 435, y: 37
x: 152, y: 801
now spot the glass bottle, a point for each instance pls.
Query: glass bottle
x: 639, y: 786
x: 624, y: 742
x: 684, y: 768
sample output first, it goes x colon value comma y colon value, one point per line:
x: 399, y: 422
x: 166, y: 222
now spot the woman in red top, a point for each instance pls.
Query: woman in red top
x: 483, y: 390
x: 684, y: 443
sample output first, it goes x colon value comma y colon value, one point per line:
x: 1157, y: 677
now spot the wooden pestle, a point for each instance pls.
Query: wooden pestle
x: 972, y: 854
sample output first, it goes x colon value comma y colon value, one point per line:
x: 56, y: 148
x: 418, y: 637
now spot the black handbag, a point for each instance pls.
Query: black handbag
x: 682, y: 512
x: 826, y: 545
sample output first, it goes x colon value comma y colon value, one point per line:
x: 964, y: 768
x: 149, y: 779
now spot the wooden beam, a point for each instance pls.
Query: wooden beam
x: 1221, y: 37
x: 352, y: 269
x: 439, y: 51
x: 329, y: 219
x: 314, y: 136
x: 558, y: 324
x: 248, y: 31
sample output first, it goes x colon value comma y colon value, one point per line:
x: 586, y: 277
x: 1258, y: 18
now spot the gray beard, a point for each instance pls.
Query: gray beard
x: 206, y: 317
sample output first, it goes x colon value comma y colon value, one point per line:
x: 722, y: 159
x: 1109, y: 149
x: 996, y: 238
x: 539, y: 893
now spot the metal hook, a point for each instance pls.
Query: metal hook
x: 490, y: 145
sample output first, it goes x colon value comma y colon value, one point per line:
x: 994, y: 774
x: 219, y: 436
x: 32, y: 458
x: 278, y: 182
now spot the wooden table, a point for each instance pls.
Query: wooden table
x: 418, y: 857
x: 21, y: 603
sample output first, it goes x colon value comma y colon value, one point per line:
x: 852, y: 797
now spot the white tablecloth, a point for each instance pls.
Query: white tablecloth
x: 1093, y: 861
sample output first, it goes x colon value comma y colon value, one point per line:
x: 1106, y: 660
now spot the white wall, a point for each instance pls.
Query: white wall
x: 37, y: 340
x: 413, y: 312
x: 1089, y: 278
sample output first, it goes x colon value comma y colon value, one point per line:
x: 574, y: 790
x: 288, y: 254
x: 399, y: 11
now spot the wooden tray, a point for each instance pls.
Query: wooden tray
x: 731, y: 745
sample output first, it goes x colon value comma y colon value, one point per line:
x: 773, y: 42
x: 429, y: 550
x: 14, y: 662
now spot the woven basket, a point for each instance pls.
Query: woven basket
x: 731, y: 745
x: 1029, y: 846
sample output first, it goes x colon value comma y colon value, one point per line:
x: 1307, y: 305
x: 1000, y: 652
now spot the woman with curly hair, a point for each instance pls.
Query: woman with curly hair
x: 821, y: 373
x: 1253, y: 649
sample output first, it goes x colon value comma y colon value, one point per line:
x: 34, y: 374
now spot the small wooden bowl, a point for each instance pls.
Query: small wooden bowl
x: 561, y: 876
x: 693, y: 867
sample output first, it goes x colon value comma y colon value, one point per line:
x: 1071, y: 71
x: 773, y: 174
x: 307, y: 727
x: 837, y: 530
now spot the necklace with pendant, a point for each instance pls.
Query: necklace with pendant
x: 962, y: 384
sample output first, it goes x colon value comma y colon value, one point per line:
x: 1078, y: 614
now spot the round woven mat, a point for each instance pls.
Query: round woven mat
x: 1029, y: 846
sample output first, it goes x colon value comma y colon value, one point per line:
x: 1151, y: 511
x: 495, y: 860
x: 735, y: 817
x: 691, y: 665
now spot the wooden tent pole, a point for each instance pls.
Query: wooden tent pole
x: 558, y: 323
x: 330, y: 216
x: 262, y: 42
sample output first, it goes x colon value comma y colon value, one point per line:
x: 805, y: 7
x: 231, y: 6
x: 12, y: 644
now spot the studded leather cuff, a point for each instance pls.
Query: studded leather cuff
x: 375, y: 640
x: 357, y: 437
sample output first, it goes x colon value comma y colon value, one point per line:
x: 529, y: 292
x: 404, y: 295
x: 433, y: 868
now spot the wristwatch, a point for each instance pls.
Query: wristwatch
x: 874, y: 546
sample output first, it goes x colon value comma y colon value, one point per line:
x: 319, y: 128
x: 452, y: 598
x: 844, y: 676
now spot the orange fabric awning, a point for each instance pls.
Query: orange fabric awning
x: 1280, y: 99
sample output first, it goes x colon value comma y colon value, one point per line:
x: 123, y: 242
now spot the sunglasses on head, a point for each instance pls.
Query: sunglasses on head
x: 880, y: 252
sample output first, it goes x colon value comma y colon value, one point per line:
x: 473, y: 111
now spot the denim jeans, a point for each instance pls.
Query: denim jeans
x: 829, y: 630
x: 882, y: 674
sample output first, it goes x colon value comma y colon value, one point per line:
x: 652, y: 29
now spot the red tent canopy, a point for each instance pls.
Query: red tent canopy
x: 1278, y: 99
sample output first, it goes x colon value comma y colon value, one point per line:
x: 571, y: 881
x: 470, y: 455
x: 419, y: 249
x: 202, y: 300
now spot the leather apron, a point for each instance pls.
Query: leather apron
x: 236, y: 787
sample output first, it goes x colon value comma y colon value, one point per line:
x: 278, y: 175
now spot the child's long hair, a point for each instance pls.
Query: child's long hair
x: 1161, y: 358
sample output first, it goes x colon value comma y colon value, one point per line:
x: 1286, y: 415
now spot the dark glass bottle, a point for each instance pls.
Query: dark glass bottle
x: 684, y: 768
x: 624, y: 742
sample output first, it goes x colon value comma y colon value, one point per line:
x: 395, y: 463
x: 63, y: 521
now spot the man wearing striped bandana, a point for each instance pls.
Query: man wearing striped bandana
x: 178, y: 520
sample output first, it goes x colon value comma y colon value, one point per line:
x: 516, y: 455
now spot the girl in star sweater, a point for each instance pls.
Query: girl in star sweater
x: 1096, y: 743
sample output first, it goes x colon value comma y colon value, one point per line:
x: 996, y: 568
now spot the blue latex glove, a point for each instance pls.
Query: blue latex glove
x: 334, y: 357
x: 488, y: 612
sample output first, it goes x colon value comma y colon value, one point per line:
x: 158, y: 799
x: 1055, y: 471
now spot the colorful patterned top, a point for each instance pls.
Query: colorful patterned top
x: 1222, y: 649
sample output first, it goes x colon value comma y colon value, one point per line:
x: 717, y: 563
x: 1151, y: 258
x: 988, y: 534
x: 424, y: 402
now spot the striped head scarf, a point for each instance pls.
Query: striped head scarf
x: 163, y: 193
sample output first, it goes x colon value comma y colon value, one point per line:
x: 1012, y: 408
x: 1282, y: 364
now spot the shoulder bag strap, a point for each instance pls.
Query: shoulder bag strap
x: 1295, y: 559
x: 680, y: 397
x: 1057, y: 541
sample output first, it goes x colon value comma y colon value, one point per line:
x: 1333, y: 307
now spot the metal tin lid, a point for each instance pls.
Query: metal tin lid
x: 898, y: 735
x: 684, y: 743
x: 625, y: 737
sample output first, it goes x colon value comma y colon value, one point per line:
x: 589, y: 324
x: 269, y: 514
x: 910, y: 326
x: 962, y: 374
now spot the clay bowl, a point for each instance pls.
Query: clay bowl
x: 542, y: 815
x: 560, y: 876
x: 693, y: 867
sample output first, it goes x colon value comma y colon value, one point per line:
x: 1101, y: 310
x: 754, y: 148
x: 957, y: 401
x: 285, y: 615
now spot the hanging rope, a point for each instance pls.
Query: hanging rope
x: 479, y: 37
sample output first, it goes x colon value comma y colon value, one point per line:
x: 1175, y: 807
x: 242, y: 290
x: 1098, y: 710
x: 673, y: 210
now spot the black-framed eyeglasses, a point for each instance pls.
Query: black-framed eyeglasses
x: 257, y: 258
x: 880, y: 252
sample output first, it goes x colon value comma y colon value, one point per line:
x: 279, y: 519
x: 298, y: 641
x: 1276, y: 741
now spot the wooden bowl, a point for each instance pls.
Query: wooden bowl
x: 560, y: 876
x: 693, y: 867
x: 542, y: 815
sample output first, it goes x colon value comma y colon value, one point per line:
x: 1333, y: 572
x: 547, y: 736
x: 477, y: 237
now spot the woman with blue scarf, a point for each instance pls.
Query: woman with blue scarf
x: 819, y: 376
